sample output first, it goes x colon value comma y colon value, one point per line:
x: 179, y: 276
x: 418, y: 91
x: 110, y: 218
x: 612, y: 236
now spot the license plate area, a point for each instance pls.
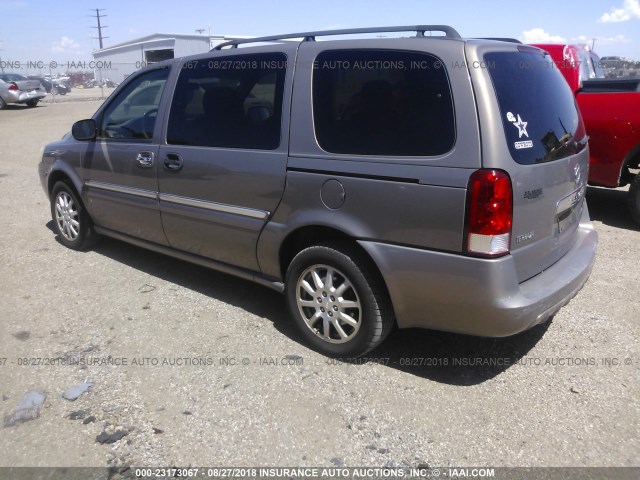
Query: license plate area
x: 568, y: 218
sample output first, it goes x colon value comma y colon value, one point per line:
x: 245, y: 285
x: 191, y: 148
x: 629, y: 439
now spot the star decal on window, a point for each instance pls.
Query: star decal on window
x: 521, y: 126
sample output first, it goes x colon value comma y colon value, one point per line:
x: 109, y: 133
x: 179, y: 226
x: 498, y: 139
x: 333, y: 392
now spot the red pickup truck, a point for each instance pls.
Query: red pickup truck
x: 611, y: 113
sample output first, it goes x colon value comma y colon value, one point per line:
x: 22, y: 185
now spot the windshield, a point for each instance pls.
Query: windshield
x: 589, y: 64
x: 539, y: 115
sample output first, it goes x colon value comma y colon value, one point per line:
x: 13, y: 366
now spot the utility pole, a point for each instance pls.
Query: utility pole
x: 100, y: 26
x: 1, y: 63
x: 99, y: 38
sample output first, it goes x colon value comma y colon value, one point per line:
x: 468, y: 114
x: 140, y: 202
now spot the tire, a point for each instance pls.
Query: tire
x: 347, y: 316
x: 71, y: 221
x: 633, y: 199
x: 3, y: 104
x: 54, y: 91
x: 32, y: 103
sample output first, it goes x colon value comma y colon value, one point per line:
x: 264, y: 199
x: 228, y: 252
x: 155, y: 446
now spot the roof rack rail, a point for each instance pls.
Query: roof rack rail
x: 501, y: 39
x: 420, y: 30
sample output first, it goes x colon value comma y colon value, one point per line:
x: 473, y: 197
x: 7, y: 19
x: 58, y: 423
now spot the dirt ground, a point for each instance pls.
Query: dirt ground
x: 193, y: 367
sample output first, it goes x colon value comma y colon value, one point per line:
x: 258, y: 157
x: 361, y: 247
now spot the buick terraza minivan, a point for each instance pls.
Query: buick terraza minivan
x: 419, y: 181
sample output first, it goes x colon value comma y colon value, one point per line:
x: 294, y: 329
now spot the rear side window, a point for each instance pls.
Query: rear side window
x: 229, y: 102
x: 382, y: 102
x: 539, y: 115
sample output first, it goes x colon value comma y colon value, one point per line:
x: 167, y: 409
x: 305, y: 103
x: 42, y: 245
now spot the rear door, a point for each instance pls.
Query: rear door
x: 533, y: 130
x: 221, y: 172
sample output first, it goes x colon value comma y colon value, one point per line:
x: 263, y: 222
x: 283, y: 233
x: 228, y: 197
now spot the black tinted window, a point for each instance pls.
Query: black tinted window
x: 232, y: 102
x: 539, y: 115
x: 380, y: 102
x: 132, y: 114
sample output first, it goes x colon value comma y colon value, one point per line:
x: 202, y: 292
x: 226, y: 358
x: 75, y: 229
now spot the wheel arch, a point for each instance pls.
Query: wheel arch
x: 631, y: 161
x: 335, y: 246
x: 61, y: 172
x: 309, y: 235
x: 306, y: 236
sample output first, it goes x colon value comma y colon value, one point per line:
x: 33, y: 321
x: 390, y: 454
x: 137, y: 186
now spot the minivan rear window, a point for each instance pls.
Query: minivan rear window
x: 539, y: 114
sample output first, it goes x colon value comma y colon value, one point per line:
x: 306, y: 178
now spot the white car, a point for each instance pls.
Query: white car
x: 15, y: 88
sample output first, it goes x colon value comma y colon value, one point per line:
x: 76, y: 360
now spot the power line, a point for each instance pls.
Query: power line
x: 100, y: 26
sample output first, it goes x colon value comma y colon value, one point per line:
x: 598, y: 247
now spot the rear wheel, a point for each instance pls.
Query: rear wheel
x: 633, y: 200
x: 338, y: 300
x: 32, y: 103
x: 3, y: 104
x: 71, y: 221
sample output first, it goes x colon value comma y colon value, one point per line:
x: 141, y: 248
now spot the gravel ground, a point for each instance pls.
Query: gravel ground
x: 209, y: 372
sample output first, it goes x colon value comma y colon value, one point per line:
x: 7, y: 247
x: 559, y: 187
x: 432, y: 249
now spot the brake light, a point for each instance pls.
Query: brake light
x: 13, y: 87
x: 490, y: 207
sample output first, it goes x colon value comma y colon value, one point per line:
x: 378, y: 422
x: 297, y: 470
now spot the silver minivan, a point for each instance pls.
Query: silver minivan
x: 424, y: 181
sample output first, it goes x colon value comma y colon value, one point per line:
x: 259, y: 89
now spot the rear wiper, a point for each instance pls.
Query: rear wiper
x: 564, y: 143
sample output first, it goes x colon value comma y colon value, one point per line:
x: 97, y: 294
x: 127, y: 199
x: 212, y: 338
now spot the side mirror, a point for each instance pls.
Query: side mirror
x: 84, y: 129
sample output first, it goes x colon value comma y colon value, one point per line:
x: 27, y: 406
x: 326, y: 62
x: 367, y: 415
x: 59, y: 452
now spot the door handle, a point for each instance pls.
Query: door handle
x: 145, y: 159
x: 173, y: 162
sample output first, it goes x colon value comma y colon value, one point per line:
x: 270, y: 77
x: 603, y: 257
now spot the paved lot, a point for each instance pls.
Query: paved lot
x: 200, y: 378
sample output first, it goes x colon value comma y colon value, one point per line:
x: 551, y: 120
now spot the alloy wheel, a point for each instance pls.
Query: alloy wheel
x: 329, y: 303
x: 67, y: 216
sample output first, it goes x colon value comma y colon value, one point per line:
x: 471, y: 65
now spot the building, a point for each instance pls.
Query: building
x: 119, y: 61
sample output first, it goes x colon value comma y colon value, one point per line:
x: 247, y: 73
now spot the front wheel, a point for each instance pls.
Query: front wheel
x: 338, y: 300
x: 71, y: 221
x: 633, y: 199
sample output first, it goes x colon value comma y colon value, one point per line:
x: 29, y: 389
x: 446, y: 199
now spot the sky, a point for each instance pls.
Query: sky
x: 62, y: 30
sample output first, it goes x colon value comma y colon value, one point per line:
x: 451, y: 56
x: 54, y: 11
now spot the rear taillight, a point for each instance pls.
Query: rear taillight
x: 490, y: 213
x: 13, y: 87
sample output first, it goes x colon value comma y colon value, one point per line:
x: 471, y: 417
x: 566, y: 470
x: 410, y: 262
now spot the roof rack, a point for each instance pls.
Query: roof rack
x: 420, y: 30
x: 502, y: 39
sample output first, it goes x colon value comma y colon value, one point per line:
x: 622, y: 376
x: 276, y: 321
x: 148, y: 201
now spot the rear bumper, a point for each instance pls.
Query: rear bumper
x: 475, y: 296
x: 23, y: 97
